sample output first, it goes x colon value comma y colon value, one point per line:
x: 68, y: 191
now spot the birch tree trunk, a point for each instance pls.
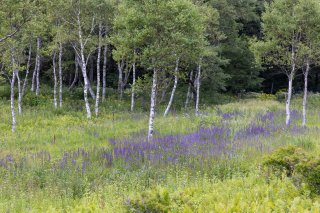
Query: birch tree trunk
x: 91, y: 70
x: 83, y: 68
x: 19, y: 93
x: 153, y: 104
x: 93, y: 95
x: 98, y: 71
x: 33, y: 83
x: 76, y: 73
x: 13, y: 114
x: 60, y: 74
x: 27, y: 72
x: 173, y: 89
x: 120, y: 80
x: 38, y: 66
x: 290, y: 79
x: 133, y: 86
x: 198, y: 88
x: 104, y: 73
x: 288, y: 101
x: 54, y: 81
x: 189, y: 91
x: 305, y: 95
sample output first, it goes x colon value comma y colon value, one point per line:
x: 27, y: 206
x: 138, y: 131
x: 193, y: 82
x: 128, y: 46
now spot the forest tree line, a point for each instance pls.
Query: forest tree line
x: 210, y: 46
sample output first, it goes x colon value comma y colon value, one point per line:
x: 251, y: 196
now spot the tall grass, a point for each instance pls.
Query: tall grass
x: 58, y: 161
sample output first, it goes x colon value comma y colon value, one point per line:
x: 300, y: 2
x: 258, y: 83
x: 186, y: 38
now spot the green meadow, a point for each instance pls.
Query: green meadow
x: 55, y: 160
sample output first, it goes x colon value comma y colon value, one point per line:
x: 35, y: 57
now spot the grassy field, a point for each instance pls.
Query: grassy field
x: 58, y: 161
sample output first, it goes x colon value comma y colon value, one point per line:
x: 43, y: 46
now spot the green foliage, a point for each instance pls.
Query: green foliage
x: 157, y: 200
x: 309, y: 171
x: 31, y: 100
x: 303, y: 167
x: 285, y: 160
x: 264, y: 96
x: 281, y: 95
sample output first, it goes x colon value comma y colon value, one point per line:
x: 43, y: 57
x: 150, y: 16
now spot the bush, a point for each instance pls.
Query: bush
x: 265, y: 96
x: 309, y: 172
x: 30, y: 99
x: 302, y: 167
x: 284, y: 160
x: 157, y: 200
x: 281, y: 95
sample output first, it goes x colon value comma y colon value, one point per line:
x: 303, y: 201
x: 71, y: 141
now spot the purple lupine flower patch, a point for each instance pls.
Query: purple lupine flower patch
x: 196, y: 149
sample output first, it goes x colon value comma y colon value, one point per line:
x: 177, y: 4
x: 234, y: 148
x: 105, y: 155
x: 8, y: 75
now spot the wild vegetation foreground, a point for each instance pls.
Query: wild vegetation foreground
x: 220, y: 161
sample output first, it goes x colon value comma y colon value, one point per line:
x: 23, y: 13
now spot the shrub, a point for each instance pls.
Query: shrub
x: 157, y: 200
x: 265, y: 96
x: 281, y: 95
x: 302, y: 167
x: 284, y: 160
x: 309, y: 171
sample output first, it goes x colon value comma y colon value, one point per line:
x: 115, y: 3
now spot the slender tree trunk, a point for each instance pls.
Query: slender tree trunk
x: 290, y: 79
x: 288, y: 101
x: 83, y: 68
x: 19, y: 92
x: 38, y: 67
x: 33, y: 83
x: 75, y: 79
x: 198, y: 88
x: 54, y: 81
x: 93, y: 95
x: 133, y: 86
x: 173, y: 89
x: 91, y: 69
x: 104, y: 73
x: 13, y: 114
x: 305, y: 95
x: 27, y: 71
x: 60, y: 74
x: 120, y: 80
x: 189, y: 91
x: 153, y: 103
x: 98, y: 71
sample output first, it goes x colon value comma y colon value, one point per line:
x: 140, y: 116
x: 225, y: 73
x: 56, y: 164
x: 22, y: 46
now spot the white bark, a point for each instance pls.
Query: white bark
x: 54, y: 81
x: 38, y: 66
x: 173, y: 89
x: 98, y: 71
x: 83, y: 68
x: 19, y: 92
x: 33, y: 82
x: 288, y: 101
x: 75, y: 79
x: 133, y: 86
x: 60, y: 75
x: 27, y: 71
x: 93, y: 95
x: 153, y: 104
x: 13, y: 114
x: 189, y: 90
x: 305, y: 94
x: 104, y: 73
x: 198, y: 88
x: 120, y: 78
x: 290, y: 79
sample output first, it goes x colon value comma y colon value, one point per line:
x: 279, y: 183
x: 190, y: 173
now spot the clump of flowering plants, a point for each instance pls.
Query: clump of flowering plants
x: 197, y: 150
